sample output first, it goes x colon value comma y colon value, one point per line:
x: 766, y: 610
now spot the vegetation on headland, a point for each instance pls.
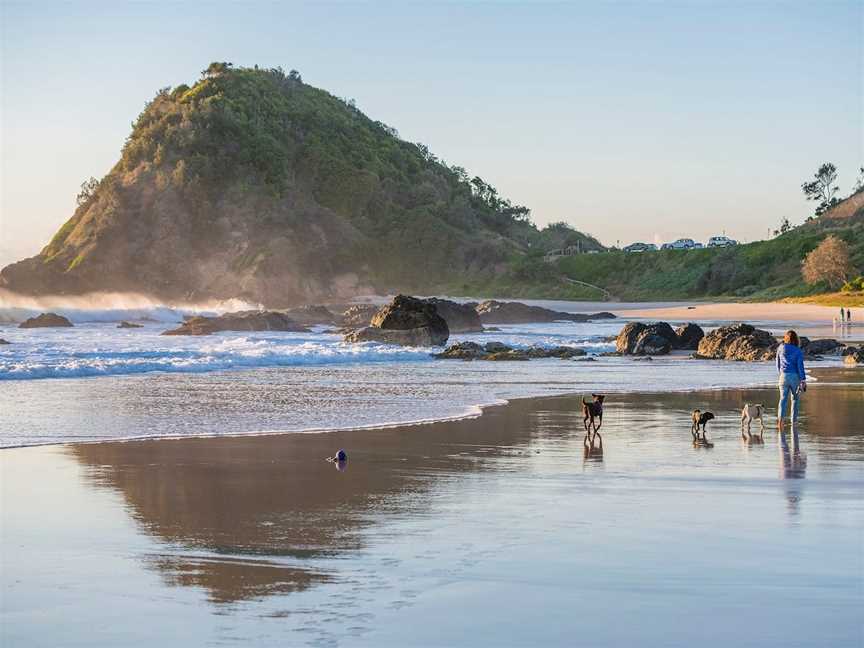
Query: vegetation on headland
x: 253, y: 184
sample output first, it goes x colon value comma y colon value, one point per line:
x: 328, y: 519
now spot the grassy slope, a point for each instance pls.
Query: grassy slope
x: 761, y: 271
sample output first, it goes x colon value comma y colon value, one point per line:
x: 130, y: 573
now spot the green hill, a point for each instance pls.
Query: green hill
x: 764, y: 270
x: 254, y: 184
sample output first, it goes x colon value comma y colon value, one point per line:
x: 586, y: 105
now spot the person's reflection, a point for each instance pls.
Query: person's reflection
x: 793, y: 467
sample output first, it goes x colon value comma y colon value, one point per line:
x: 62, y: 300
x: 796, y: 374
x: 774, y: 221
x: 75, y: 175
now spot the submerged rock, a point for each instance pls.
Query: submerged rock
x: 492, y: 311
x: 311, y: 315
x: 407, y: 321
x: 239, y: 321
x: 738, y: 342
x: 2, y: 341
x: 498, y: 351
x: 125, y: 324
x: 822, y: 347
x: 46, y: 320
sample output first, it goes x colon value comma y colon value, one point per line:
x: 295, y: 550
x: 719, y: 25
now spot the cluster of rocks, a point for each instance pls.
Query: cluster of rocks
x: 499, y: 351
x: 407, y: 321
x: 740, y: 341
x: 657, y: 338
x: 46, y: 320
x: 239, y: 321
x: 497, y: 312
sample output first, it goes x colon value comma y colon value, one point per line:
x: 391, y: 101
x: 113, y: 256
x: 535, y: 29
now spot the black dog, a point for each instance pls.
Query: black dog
x: 592, y: 417
x: 700, y: 419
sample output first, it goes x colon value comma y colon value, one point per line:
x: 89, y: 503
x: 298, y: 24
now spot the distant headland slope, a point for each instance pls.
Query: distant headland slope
x: 254, y: 184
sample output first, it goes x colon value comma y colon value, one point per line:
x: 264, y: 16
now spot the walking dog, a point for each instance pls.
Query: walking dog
x: 700, y: 419
x: 749, y: 414
x: 592, y: 417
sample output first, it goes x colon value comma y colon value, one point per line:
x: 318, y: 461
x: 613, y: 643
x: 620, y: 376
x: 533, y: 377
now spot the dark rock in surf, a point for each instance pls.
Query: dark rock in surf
x: 46, y: 320
x: 359, y: 315
x: 407, y: 321
x: 312, y: 316
x: 127, y: 325
x: 637, y: 338
x: 460, y: 318
x: 740, y: 341
x: 689, y: 336
x: 239, y: 321
x: 492, y: 311
x: 2, y: 341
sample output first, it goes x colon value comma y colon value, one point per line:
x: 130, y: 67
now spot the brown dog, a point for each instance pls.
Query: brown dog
x: 592, y: 417
x: 700, y: 419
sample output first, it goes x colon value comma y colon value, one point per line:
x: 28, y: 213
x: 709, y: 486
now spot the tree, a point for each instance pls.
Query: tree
x: 822, y: 188
x: 829, y: 262
x: 859, y: 183
x: 785, y: 226
x: 88, y: 190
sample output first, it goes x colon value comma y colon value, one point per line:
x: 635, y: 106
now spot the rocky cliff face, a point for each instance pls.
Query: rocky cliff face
x: 253, y: 184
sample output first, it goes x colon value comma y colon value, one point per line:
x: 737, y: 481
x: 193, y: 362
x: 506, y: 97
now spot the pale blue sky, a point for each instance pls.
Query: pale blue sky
x: 631, y: 121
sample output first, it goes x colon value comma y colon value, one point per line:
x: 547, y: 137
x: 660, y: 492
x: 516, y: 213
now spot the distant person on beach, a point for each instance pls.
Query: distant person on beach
x: 842, y: 316
x: 848, y: 316
x: 793, y: 380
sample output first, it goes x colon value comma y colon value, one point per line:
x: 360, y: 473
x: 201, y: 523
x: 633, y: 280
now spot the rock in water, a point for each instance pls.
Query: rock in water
x: 46, y: 320
x: 499, y: 351
x: 822, y: 347
x: 460, y: 318
x: 497, y: 312
x: 311, y: 315
x: 2, y: 341
x: 125, y: 324
x: 407, y: 321
x: 359, y: 315
x: 738, y: 342
x: 855, y: 358
x: 239, y: 321
x: 689, y: 335
x: 637, y: 338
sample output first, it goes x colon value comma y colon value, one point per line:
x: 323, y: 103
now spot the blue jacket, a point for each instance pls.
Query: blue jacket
x: 790, y: 359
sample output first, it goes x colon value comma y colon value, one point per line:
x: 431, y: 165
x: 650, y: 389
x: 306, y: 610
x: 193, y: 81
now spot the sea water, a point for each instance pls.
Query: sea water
x: 95, y: 381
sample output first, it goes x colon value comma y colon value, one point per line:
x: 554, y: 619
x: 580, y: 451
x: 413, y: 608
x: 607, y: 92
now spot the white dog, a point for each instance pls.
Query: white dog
x: 752, y: 413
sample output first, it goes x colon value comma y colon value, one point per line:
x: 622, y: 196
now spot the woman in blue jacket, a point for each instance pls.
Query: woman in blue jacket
x: 793, y: 380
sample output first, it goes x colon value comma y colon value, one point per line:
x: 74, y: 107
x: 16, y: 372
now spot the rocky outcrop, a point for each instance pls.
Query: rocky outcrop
x: 498, y: 312
x: 46, y: 320
x: 460, y: 318
x: 496, y: 351
x: 127, y: 325
x: 407, y: 321
x: 637, y: 338
x: 239, y: 321
x: 312, y: 315
x: 689, y: 336
x: 822, y: 347
x: 855, y: 358
x: 738, y: 342
x: 2, y: 341
x: 359, y: 315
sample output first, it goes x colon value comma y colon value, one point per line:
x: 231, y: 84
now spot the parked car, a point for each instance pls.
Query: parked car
x: 683, y: 244
x: 641, y: 247
x: 666, y: 246
x: 698, y: 246
x: 721, y: 241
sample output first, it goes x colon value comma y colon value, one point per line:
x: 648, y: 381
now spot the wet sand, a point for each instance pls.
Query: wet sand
x: 493, y: 531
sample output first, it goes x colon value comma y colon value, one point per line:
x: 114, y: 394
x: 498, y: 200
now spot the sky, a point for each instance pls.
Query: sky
x: 643, y: 121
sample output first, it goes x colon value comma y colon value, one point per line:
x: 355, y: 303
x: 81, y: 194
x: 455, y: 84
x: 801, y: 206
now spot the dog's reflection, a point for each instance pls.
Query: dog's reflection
x: 592, y: 450
x: 753, y: 439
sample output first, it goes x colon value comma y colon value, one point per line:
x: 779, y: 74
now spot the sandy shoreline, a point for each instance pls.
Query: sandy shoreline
x: 497, y: 524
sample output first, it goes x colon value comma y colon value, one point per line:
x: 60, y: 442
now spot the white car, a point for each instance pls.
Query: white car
x: 721, y: 241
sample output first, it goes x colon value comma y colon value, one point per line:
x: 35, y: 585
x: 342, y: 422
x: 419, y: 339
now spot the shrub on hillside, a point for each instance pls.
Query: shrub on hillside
x: 829, y: 262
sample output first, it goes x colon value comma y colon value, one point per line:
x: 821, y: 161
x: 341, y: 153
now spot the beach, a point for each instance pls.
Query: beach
x: 494, y: 530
